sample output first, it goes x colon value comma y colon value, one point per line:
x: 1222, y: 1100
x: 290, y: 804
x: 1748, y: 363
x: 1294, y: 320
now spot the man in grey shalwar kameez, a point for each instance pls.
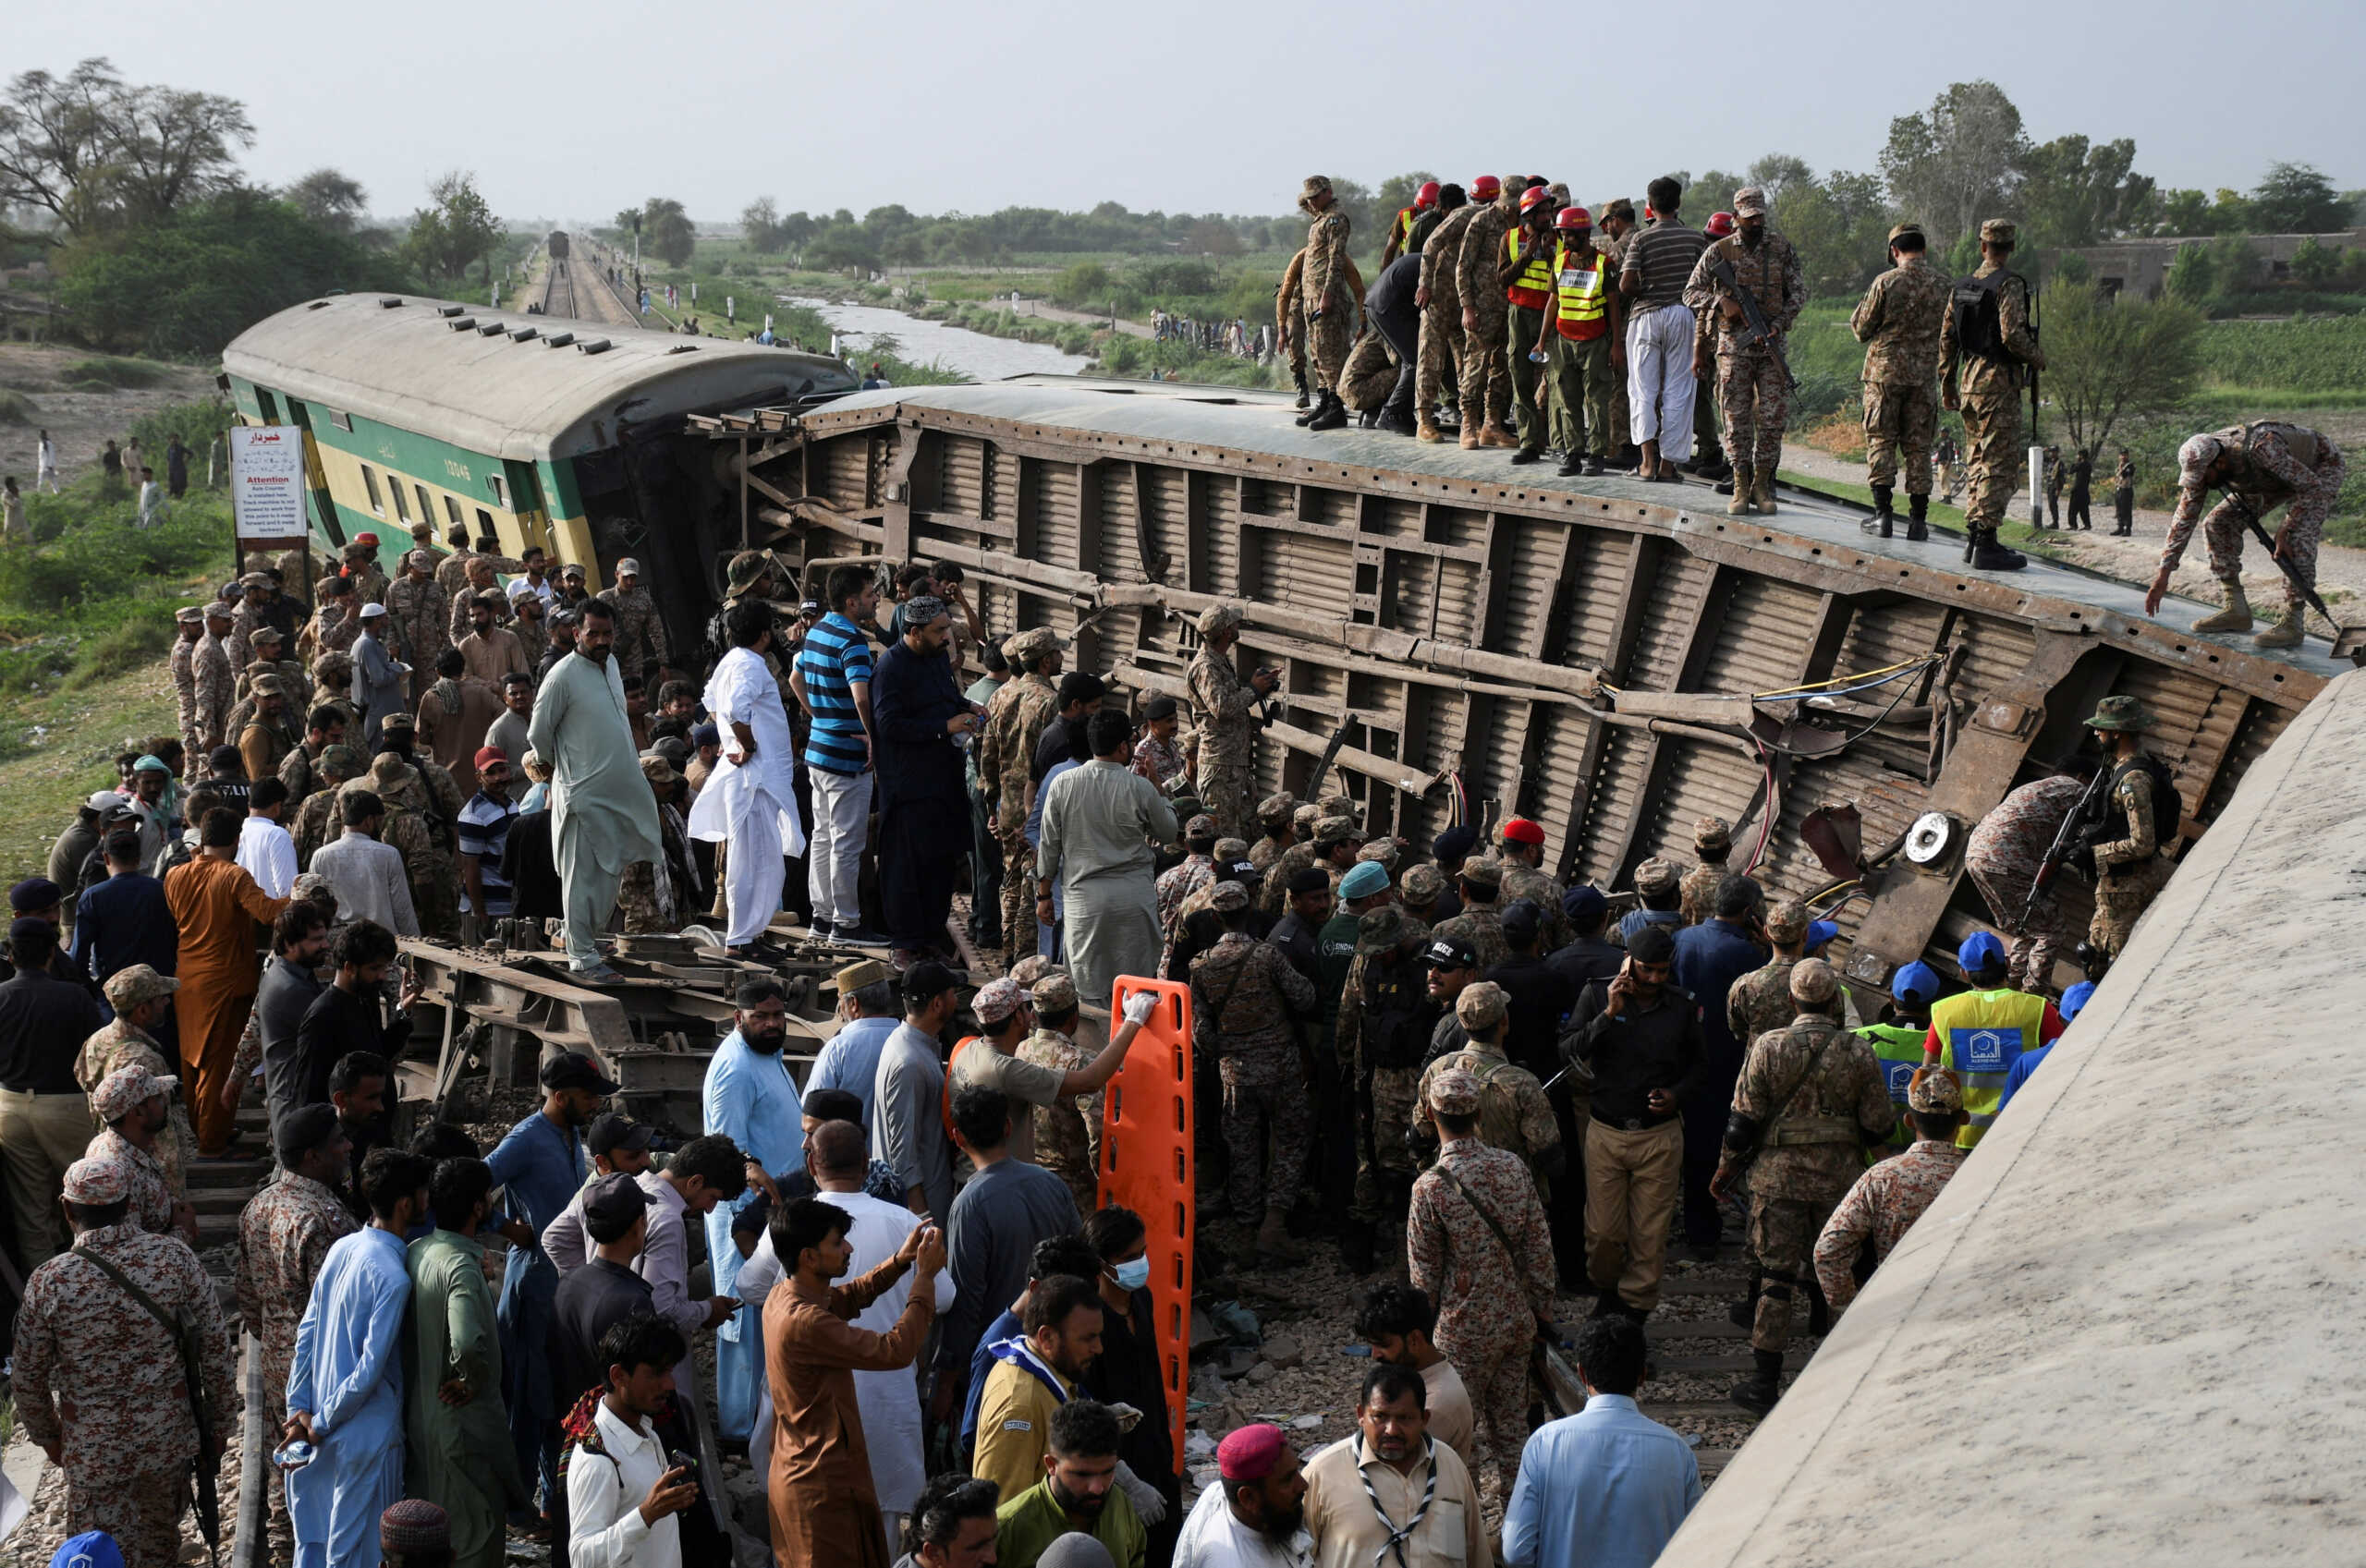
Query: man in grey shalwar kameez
x: 605, y: 819
x: 377, y: 677
x: 1100, y: 824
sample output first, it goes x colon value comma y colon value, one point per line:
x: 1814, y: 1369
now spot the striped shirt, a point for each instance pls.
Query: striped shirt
x: 483, y: 832
x: 836, y: 658
x: 1665, y: 254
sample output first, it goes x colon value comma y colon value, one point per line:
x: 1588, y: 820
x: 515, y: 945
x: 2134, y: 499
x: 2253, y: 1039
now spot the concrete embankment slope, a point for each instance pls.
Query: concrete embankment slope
x: 2129, y: 1330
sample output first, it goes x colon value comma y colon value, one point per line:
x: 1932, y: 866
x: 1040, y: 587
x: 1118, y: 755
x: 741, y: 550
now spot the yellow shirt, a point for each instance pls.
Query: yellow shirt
x: 1348, y: 1534
x: 1014, y: 1427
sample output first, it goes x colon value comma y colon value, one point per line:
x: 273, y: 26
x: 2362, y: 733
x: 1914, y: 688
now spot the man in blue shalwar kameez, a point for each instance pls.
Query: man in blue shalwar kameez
x: 751, y: 1099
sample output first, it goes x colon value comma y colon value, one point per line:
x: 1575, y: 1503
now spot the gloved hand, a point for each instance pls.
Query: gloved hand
x: 1140, y: 1005
x: 1147, y: 1500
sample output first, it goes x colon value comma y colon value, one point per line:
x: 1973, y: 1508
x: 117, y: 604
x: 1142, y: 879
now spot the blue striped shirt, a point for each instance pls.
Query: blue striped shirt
x: 835, y: 657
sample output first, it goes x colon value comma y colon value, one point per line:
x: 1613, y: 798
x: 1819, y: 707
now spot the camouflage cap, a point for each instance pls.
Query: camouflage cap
x: 2195, y: 456
x: 998, y: 1000
x: 313, y: 887
x: 1713, y: 836
x: 1616, y: 207
x: 268, y: 685
x: 1749, y: 201
x: 1380, y: 850
x: 127, y: 989
x: 256, y: 579
x: 1900, y: 231
x: 127, y: 1089
x: 658, y: 771
x: 221, y: 610
x: 1303, y: 818
x: 1275, y: 809
x: 1934, y: 1091
x: 1312, y: 186
x: 1227, y: 850
x: 357, y: 551
x: 266, y: 633
x: 1486, y: 874
x: 1031, y: 644
x: 2120, y: 712
x: 1998, y: 231
x: 1227, y: 898
x: 1201, y: 826
x: 337, y: 763
x: 1422, y: 885
x: 1813, y: 981
x: 419, y: 560
x: 1054, y: 992
x: 1656, y: 878
x: 1033, y: 967
x: 1379, y: 930
x: 189, y: 615
x: 491, y: 598
x: 333, y: 666
x: 1481, y: 1006
x: 1219, y: 618
x: 1454, y: 1092
x: 397, y: 720
x: 389, y: 772
x: 95, y: 1184
x: 745, y: 569
x: 1337, y: 804
x: 1786, y: 921
x: 1332, y: 830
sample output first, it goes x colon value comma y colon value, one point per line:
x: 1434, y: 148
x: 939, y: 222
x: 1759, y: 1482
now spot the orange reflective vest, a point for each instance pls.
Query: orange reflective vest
x: 1534, y: 288
x: 1585, y: 310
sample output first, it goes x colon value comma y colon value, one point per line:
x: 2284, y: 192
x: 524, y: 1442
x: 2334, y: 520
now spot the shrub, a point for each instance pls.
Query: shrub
x: 108, y: 371
x: 15, y: 408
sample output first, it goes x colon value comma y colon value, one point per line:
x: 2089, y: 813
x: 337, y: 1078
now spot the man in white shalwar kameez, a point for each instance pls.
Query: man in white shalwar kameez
x: 749, y: 800
x: 605, y: 819
x: 1100, y: 824
x: 890, y: 1402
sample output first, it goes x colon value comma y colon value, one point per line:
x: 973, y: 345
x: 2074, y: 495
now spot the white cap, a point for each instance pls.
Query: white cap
x: 370, y: 610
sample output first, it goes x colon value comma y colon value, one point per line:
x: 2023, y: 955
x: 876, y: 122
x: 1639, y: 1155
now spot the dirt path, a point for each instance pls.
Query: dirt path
x: 80, y: 421
x: 1059, y: 313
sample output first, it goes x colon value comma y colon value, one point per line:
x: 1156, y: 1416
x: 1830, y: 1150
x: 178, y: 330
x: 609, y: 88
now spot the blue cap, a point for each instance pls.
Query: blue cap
x: 91, y: 1549
x: 35, y: 892
x: 2074, y: 1001
x: 1367, y: 878
x: 1454, y: 843
x: 1918, y: 983
x: 706, y: 735
x: 1819, y: 932
x: 1979, y: 951
x: 1584, y: 903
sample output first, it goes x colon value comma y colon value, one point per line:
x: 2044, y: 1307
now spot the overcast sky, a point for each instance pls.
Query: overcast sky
x: 575, y: 111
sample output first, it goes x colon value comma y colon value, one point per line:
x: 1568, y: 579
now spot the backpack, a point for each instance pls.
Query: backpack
x: 1399, y: 1016
x: 2106, y: 825
x: 1977, y: 303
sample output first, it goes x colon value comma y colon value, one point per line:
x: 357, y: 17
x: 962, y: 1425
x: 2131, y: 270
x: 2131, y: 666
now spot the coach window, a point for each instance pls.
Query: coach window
x: 485, y: 524
x: 493, y: 483
x: 426, y: 506
x: 451, y: 510
x: 371, y: 480
x: 402, y: 507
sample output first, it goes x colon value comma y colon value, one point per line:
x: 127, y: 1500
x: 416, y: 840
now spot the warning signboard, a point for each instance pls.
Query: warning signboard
x: 267, y: 482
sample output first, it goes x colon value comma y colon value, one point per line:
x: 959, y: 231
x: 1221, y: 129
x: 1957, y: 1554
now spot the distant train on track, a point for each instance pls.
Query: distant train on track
x: 558, y: 245
x: 533, y: 429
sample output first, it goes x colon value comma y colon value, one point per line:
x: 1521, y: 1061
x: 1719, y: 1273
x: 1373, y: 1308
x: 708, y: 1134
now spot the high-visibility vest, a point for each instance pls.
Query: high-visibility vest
x: 1583, y: 314
x: 1404, y: 216
x: 1899, y: 1048
x: 1981, y: 1034
x: 1534, y: 288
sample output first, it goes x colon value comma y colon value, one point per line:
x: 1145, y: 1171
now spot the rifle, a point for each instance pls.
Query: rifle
x: 2241, y: 507
x: 1756, y: 329
x: 181, y: 1327
x: 1330, y: 753
x: 2065, y: 840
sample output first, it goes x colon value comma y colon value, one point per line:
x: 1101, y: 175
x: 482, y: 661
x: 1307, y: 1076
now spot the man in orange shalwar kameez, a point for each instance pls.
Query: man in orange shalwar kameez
x: 218, y: 906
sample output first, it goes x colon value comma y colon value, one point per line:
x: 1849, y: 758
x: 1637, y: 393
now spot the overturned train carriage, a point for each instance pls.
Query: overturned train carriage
x: 1595, y: 655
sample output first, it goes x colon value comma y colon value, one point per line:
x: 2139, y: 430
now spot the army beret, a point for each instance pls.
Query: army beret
x: 997, y: 1000
x: 126, y: 1090
x: 1422, y: 885
x: 1813, y: 981
x: 1380, y: 929
x: 1309, y: 879
x: 1218, y: 618
x: 1333, y: 831
x: 1275, y: 808
x: 1786, y: 920
x: 1201, y: 826
x: 1481, y: 1006
x: 1482, y: 874
x: 1520, y: 829
x: 127, y: 989
x: 1055, y: 992
x: 1228, y: 850
x: 1934, y: 1091
x: 1454, y: 1092
x: 1656, y: 878
x: 1228, y: 898
x: 1998, y: 231
x: 94, y: 1183
x: 1160, y: 707
x: 1366, y: 879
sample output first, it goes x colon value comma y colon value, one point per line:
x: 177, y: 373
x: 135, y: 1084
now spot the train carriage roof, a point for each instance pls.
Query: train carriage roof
x: 401, y: 361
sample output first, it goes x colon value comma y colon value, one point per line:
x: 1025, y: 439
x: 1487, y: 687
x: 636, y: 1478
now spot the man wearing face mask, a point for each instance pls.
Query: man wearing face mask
x: 1753, y: 384
x: 750, y: 1098
x: 1127, y: 1372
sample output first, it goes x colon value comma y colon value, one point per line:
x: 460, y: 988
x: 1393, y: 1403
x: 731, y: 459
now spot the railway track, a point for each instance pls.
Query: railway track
x: 583, y: 293
x: 559, y: 290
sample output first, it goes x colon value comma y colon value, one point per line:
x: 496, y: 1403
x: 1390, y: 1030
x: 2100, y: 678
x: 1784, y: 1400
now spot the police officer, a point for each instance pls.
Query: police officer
x: 1986, y: 349
x: 1899, y: 321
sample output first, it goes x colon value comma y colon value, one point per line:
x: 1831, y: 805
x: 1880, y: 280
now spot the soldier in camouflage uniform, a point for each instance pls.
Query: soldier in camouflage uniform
x: 285, y: 1233
x: 2129, y: 866
x: 1807, y: 1151
x: 133, y: 1107
x: 1751, y: 385
x: 1480, y: 924
x: 1067, y: 1131
x: 1899, y: 321
x: 1514, y: 1115
x: 138, y: 996
x: 1987, y: 387
x: 296, y: 769
x: 1382, y: 1033
x: 1520, y: 857
x: 1761, y: 1000
x: 2001, y: 857
x: 1014, y: 724
x: 1477, y: 1242
x: 478, y: 582
x: 1196, y: 870
x: 1226, y: 730
x: 422, y: 614
x: 1437, y: 365
x: 216, y: 687
x: 98, y: 1380
x: 271, y: 657
x: 463, y: 566
x: 1274, y: 816
x: 1289, y: 322
x: 1332, y: 835
x: 361, y: 569
x: 253, y: 609
x: 189, y: 622
x: 1330, y: 310
x: 320, y: 819
x: 1712, y: 841
x: 1244, y: 995
x: 434, y: 880
x: 333, y: 687
x: 1486, y: 372
x: 2260, y: 466
x: 641, y: 630
x: 1887, y: 1201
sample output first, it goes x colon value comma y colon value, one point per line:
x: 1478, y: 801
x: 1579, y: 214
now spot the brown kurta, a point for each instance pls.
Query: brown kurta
x: 824, y: 1511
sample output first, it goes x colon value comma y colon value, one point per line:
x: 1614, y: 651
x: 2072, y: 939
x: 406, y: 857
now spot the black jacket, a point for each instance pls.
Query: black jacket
x: 911, y: 698
x: 1659, y: 1047
x: 337, y: 1024
x: 1538, y: 997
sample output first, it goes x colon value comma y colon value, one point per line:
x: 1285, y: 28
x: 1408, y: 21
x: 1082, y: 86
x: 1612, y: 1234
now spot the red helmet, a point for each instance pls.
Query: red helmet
x: 1535, y: 195
x: 1486, y: 187
x: 1428, y: 197
x: 1573, y: 217
x: 1720, y: 225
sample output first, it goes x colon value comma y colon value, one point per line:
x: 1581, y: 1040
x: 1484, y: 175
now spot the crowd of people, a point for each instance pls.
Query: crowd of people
x: 123, y: 469
x: 1235, y: 336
